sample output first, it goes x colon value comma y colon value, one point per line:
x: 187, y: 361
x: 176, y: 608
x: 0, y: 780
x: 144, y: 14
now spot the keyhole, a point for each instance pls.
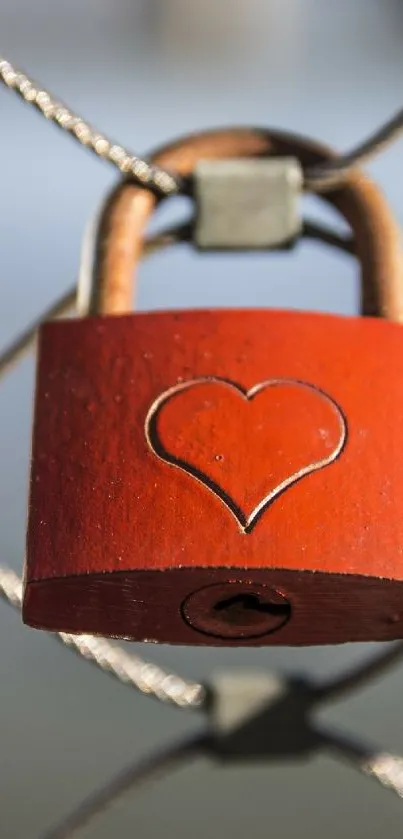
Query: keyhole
x: 235, y: 610
x: 248, y: 609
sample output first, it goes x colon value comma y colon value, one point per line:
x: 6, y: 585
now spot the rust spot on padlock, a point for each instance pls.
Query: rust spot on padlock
x: 137, y: 513
x: 236, y: 610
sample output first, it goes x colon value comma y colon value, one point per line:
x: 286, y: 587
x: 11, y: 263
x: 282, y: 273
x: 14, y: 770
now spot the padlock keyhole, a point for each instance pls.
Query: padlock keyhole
x: 237, y: 610
x: 248, y: 609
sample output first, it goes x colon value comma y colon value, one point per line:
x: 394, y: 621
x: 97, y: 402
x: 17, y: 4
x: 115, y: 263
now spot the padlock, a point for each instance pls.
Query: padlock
x: 227, y: 477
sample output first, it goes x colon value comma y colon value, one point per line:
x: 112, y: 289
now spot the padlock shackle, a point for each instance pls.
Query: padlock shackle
x: 128, y: 209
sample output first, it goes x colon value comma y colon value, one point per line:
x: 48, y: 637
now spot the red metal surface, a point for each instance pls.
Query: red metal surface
x: 175, y: 451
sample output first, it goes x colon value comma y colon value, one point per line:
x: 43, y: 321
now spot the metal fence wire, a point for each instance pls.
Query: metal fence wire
x: 283, y: 722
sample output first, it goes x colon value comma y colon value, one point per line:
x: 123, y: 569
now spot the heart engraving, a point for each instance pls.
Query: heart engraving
x: 246, y: 446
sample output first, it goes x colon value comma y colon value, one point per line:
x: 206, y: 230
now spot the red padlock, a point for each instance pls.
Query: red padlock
x: 222, y: 477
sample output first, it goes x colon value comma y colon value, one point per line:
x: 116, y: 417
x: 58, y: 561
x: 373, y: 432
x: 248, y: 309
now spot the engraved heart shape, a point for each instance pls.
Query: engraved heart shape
x: 246, y: 446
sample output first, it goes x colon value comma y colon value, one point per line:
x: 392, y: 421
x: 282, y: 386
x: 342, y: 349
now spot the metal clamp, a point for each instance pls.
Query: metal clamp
x: 247, y: 203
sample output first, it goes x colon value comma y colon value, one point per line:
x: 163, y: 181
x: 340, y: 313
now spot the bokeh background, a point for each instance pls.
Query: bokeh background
x: 146, y: 71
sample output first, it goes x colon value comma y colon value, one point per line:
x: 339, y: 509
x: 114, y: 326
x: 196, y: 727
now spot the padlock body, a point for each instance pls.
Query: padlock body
x: 218, y: 477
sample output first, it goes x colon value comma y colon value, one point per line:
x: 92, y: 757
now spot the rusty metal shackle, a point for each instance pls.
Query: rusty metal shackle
x: 124, y: 219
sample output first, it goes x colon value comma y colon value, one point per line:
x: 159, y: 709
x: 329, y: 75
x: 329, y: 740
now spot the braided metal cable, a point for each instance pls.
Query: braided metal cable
x: 360, y: 675
x: 130, y: 779
x: 181, y: 233
x: 145, y: 677
x: 387, y: 769
x: 129, y: 669
x: 384, y: 767
x: 18, y: 348
x: 317, y: 178
x: 142, y: 172
x: 333, y: 173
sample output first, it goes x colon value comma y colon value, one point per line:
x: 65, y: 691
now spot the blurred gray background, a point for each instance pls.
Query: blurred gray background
x: 145, y: 71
